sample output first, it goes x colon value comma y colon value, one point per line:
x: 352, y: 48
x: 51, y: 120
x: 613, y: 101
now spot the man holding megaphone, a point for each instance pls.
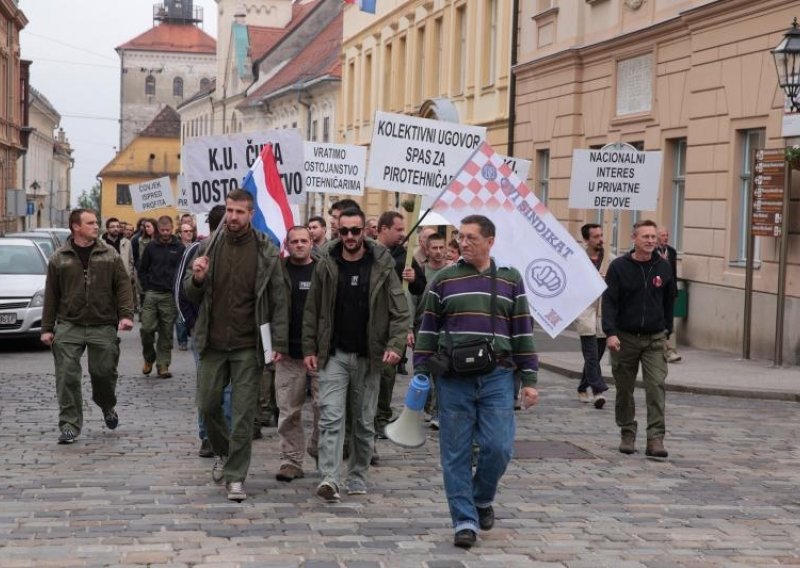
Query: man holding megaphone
x: 476, y: 331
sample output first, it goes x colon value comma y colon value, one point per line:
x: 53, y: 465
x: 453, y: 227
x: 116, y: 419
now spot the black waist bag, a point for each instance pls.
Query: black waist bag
x: 476, y: 356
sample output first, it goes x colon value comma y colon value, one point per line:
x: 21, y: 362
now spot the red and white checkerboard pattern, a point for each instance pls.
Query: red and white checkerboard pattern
x: 471, y: 191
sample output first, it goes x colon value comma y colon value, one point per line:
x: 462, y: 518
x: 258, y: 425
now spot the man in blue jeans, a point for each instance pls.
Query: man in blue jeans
x: 459, y: 308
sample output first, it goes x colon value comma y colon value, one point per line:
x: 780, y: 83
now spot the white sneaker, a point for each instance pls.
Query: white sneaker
x: 673, y: 356
x: 236, y: 491
x: 585, y: 397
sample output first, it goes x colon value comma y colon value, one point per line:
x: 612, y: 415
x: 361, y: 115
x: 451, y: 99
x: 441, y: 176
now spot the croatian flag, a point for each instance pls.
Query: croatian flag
x: 272, y: 213
x: 365, y: 5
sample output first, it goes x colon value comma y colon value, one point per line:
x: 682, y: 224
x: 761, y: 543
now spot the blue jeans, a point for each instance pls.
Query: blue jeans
x: 479, y: 409
x: 181, y: 332
x: 592, y: 348
x: 202, y: 433
x: 343, y: 373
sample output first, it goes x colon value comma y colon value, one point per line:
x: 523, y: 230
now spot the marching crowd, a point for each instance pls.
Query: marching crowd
x: 330, y: 321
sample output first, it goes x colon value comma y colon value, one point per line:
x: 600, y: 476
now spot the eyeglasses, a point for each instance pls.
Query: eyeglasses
x: 355, y: 231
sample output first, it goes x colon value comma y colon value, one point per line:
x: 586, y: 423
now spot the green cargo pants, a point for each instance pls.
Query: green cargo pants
x: 383, y: 415
x: 68, y: 346
x: 158, y: 315
x: 649, y: 349
x: 242, y: 369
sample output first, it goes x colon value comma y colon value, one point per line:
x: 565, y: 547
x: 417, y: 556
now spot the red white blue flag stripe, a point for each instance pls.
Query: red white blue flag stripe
x: 272, y: 214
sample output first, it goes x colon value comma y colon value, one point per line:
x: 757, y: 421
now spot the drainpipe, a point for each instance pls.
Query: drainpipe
x: 512, y: 87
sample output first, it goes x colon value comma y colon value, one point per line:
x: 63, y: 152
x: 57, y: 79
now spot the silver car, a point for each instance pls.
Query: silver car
x: 23, y: 271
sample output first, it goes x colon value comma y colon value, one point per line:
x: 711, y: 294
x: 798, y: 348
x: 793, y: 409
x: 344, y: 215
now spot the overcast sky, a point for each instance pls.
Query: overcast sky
x: 71, y: 44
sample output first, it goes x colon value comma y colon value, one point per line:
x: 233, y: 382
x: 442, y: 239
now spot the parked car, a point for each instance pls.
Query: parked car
x: 23, y: 271
x: 59, y: 233
x: 46, y: 241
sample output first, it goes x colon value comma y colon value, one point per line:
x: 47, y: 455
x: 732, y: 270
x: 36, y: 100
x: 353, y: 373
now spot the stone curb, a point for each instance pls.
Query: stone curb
x: 694, y: 389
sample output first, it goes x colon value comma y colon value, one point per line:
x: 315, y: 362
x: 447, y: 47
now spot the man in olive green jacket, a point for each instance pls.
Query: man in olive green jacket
x: 87, y: 299
x: 356, y: 320
x: 237, y: 283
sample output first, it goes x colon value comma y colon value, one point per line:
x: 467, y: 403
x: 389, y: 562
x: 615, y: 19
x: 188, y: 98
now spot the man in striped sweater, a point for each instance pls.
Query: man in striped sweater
x: 477, y: 408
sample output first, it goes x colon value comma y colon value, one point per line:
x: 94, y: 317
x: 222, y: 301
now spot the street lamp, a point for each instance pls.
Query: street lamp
x: 787, y: 61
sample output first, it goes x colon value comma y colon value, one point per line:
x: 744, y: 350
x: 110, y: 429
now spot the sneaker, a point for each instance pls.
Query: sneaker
x: 218, y: 469
x: 673, y: 356
x: 486, y: 517
x: 435, y: 422
x: 329, y: 492
x: 584, y: 397
x: 67, y: 435
x: 356, y: 486
x: 147, y: 368
x: 655, y: 449
x: 380, y: 432
x: 627, y: 444
x: 465, y: 538
x: 599, y: 401
x: 288, y: 472
x: 111, y: 418
x: 163, y: 371
x: 183, y: 347
x: 236, y: 491
x: 205, y: 450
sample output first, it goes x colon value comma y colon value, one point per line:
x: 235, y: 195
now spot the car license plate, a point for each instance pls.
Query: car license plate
x: 8, y: 318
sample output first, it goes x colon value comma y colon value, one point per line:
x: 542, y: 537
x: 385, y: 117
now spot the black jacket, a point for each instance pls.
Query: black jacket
x: 159, y: 264
x: 639, y: 296
x: 417, y: 287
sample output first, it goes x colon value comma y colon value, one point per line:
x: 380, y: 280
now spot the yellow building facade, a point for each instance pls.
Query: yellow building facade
x: 446, y: 59
x: 153, y: 154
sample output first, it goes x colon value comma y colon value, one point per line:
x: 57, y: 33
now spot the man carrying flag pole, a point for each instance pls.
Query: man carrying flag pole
x: 237, y: 282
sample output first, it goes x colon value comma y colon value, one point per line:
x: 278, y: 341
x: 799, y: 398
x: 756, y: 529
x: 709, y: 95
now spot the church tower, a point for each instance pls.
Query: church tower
x: 164, y: 65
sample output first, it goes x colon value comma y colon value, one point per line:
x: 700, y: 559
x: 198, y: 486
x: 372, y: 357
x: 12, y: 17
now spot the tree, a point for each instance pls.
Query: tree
x: 90, y: 199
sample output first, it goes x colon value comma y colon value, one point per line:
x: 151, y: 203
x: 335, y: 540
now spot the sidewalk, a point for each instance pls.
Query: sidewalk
x: 701, y: 372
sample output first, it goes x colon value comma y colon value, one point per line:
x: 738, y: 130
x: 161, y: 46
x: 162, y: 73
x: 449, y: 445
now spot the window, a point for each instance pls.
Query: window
x: 461, y: 50
x: 351, y: 93
x: 543, y: 175
x: 400, y: 75
x: 366, y: 102
x: 749, y: 142
x: 204, y: 83
x: 150, y: 85
x: 123, y: 194
x: 490, y: 53
x: 177, y: 87
x: 634, y: 85
x: 678, y: 191
x: 421, y: 66
x: 438, y: 57
x: 326, y: 129
x: 314, y: 129
x: 387, y: 77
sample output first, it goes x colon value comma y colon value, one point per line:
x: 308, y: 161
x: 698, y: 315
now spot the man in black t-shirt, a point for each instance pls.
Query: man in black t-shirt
x: 355, y: 321
x: 290, y: 376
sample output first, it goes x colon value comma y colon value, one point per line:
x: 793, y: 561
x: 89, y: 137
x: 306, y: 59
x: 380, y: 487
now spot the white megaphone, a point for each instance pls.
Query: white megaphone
x: 408, y: 430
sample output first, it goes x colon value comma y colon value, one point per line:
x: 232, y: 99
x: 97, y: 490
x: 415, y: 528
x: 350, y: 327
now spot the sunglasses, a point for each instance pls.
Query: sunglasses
x: 355, y: 231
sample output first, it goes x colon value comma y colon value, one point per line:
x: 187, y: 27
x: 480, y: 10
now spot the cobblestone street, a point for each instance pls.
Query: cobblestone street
x: 139, y: 495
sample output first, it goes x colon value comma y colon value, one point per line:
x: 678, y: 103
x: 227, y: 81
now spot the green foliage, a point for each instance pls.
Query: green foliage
x: 90, y: 199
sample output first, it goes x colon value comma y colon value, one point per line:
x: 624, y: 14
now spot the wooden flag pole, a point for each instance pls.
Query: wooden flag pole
x: 412, y: 238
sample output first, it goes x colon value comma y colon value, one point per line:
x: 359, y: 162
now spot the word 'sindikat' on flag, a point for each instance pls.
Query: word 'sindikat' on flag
x: 560, y: 280
x: 271, y: 214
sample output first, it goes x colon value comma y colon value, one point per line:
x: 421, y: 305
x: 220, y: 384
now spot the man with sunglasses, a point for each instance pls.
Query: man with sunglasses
x: 355, y: 322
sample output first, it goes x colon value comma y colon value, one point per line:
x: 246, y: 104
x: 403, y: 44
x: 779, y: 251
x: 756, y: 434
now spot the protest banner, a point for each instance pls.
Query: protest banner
x: 616, y: 176
x: 153, y: 194
x: 418, y: 155
x: 334, y: 168
x: 215, y: 165
x: 560, y: 280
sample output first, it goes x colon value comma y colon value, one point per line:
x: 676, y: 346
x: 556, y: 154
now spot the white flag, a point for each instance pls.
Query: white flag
x: 560, y: 280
